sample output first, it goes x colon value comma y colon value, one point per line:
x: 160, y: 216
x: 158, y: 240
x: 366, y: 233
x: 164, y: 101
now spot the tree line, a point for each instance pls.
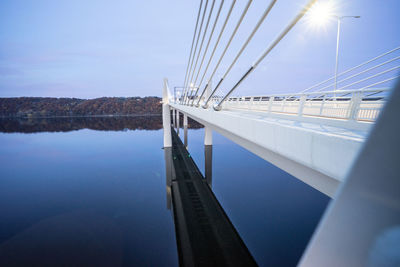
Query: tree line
x: 55, y: 107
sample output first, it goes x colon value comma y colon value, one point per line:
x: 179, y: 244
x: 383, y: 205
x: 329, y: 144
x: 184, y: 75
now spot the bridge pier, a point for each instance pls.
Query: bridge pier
x: 185, y: 130
x: 177, y: 122
x: 207, y: 136
x: 173, y: 118
x: 166, y: 113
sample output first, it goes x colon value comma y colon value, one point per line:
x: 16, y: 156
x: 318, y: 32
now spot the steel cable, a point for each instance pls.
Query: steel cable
x: 194, y: 37
x: 208, y: 44
x: 197, y: 42
x: 230, y: 39
x: 202, y: 42
x: 260, y: 21
x: 268, y: 50
x: 215, y: 48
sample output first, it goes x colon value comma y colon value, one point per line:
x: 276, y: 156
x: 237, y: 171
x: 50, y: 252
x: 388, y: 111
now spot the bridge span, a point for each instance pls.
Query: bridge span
x: 319, y: 155
x: 315, y: 135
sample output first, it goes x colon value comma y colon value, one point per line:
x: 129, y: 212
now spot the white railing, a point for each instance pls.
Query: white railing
x: 358, y: 105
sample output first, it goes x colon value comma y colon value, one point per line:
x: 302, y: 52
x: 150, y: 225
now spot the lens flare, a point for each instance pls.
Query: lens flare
x: 321, y: 13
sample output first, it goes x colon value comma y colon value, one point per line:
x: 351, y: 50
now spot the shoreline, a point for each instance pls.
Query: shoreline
x: 81, y: 116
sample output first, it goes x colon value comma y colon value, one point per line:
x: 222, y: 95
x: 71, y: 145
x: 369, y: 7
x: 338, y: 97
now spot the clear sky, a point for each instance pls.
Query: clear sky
x: 94, y: 48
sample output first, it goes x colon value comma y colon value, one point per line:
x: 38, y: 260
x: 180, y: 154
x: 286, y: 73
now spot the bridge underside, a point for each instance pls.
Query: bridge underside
x: 318, y: 155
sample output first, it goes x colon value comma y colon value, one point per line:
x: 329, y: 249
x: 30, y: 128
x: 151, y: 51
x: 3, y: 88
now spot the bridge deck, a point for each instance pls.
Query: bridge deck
x: 205, y: 235
x: 316, y: 126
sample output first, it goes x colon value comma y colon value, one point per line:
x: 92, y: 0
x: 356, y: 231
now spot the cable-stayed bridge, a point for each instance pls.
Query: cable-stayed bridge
x: 318, y: 134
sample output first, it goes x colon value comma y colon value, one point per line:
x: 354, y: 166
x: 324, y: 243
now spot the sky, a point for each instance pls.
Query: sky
x: 95, y: 48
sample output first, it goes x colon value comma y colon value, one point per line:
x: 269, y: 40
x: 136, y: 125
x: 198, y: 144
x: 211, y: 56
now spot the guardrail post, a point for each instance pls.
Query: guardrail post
x: 271, y: 100
x: 283, y: 104
x: 322, y: 105
x: 355, y: 102
x: 301, y: 105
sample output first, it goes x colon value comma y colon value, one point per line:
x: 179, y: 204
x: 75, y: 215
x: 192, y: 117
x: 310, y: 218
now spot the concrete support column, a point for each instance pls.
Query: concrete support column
x: 173, y: 118
x: 177, y: 122
x: 185, y: 120
x: 185, y: 130
x: 207, y: 136
x: 207, y: 130
x: 166, y: 116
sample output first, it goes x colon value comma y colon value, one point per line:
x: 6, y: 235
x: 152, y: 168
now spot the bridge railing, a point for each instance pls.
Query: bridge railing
x: 359, y: 105
x: 356, y: 105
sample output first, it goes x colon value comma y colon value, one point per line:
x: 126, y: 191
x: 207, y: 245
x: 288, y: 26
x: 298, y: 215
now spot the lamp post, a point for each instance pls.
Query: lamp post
x: 339, y: 19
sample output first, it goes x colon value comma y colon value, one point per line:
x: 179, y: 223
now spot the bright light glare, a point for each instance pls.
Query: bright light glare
x: 321, y: 13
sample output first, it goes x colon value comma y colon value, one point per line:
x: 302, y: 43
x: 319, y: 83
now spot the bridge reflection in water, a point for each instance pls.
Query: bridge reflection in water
x: 205, y: 235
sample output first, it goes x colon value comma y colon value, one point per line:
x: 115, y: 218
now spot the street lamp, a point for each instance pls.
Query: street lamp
x: 339, y: 19
x: 320, y: 14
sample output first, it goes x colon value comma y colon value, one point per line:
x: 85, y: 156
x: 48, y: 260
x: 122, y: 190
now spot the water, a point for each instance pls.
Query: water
x: 98, y: 196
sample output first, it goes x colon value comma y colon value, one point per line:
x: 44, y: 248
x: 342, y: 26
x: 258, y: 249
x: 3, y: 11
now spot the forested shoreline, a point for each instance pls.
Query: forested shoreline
x: 67, y: 107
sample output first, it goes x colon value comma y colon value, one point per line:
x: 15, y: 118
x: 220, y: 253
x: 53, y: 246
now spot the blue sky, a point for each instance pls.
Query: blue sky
x: 97, y: 48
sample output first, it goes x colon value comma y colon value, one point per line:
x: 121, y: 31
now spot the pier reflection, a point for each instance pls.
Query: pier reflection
x: 171, y: 174
x: 204, y: 233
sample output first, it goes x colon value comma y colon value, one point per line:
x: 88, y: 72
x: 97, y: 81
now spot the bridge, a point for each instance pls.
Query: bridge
x: 313, y: 135
x: 337, y: 136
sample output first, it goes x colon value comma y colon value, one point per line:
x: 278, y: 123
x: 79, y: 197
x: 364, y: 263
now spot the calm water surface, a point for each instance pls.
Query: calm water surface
x: 97, y: 196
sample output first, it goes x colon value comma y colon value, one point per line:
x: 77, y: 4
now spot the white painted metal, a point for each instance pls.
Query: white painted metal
x: 230, y: 39
x: 337, y: 53
x: 194, y: 53
x: 244, y: 45
x: 339, y: 20
x: 362, y: 72
x: 318, y: 104
x: 362, y: 226
x: 351, y: 69
x: 208, y: 44
x: 267, y: 51
x: 185, y: 120
x: 201, y: 44
x: 166, y: 115
x: 207, y: 136
x: 317, y: 154
x: 194, y: 37
x: 207, y: 128
x: 214, y: 49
